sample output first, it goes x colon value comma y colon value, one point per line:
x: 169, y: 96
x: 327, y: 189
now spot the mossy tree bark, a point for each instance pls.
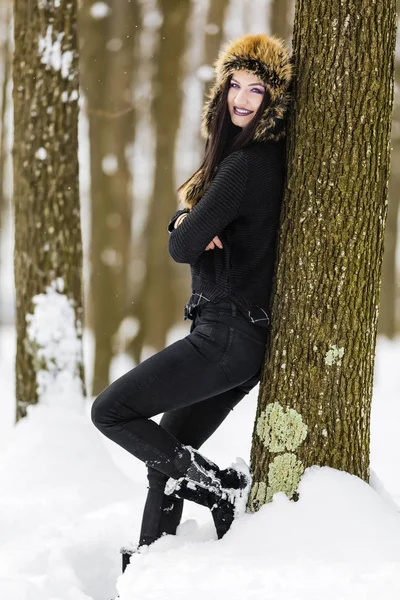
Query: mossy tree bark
x: 316, y: 385
x: 108, y: 67
x: 48, y: 246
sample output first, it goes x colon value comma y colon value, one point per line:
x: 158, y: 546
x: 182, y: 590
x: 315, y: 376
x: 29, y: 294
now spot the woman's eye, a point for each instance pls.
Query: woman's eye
x: 258, y: 90
x: 233, y: 84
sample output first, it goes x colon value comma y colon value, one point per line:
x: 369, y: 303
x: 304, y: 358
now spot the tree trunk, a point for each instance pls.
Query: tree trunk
x: 48, y: 245
x: 390, y: 283
x: 214, y: 37
x: 5, y: 57
x: 108, y: 71
x: 157, y: 317
x: 279, y: 18
x: 316, y: 385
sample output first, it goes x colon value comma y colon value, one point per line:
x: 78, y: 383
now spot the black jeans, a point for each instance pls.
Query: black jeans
x: 195, y: 382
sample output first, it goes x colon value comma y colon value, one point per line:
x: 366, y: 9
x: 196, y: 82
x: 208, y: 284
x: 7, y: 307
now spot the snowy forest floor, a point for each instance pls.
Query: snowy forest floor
x: 69, y: 498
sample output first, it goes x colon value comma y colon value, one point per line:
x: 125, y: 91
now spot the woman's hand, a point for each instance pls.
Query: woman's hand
x: 214, y: 242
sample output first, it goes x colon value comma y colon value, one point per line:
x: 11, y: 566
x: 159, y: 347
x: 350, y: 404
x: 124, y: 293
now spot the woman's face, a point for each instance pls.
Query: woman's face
x: 246, y: 92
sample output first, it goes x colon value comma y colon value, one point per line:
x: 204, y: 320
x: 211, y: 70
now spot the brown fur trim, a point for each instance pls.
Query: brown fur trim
x: 266, y: 57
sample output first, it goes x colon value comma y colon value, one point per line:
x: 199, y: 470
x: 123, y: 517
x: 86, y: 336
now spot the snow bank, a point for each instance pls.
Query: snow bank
x: 65, y: 509
x: 340, y: 540
x: 69, y: 498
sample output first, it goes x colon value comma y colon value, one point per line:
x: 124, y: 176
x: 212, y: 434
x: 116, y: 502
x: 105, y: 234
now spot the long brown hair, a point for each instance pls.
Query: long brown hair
x: 225, y: 137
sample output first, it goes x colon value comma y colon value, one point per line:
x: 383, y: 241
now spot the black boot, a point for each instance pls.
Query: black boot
x: 127, y: 552
x: 223, y: 491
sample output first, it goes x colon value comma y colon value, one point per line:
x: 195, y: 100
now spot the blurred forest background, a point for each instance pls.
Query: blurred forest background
x: 145, y: 68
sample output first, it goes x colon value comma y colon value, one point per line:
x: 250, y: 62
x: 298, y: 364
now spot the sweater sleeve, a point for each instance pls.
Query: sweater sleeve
x: 174, y: 217
x: 219, y: 206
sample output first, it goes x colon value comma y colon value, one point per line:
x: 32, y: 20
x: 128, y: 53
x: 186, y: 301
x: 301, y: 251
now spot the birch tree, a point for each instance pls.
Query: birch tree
x: 316, y: 385
x: 48, y: 246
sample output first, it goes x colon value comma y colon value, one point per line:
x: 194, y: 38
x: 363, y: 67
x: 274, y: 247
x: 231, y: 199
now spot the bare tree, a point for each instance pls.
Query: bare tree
x: 48, y: 246
x: 279, y: 18
x: 390, y: 293
x: 214, y: 35
x: 316, y: 385
x: 108, y: 67
x: 6, y: 58
x: 157, y: 317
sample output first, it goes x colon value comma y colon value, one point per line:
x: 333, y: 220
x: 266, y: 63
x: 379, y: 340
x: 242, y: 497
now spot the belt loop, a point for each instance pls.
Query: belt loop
x: 233, y: 308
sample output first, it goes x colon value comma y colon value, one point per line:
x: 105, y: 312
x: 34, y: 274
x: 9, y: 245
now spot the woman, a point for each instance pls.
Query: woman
x: 227, y: 233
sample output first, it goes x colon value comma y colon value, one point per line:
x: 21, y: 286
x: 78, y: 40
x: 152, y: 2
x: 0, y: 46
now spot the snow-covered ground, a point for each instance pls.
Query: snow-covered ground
x: 69, y: 498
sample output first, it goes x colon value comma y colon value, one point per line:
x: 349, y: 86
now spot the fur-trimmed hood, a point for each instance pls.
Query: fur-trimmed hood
x: 268, y: 58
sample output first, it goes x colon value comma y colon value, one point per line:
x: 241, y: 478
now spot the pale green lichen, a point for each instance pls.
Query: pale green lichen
x: 334, y: 356
x: 281, y: 429
x: 284, y: 475
x: 258, y: 495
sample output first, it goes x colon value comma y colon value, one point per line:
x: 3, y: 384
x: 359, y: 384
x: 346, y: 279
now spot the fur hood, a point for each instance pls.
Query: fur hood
x: 269, y: 60
x: 265, y: 56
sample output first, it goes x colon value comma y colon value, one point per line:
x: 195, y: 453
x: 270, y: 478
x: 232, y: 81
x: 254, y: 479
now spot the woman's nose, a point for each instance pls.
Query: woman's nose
x: 240, y: 98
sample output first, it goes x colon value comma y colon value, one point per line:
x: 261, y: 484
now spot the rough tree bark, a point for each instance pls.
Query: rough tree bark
x: 316, y: 385
x: 108, y: 67
x: 48, y: 246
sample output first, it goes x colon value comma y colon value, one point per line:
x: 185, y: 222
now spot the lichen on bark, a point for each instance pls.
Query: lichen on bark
x: 258, y: 495
x: 281, y: 429
x: 284, y: 475
x: 334, y: 356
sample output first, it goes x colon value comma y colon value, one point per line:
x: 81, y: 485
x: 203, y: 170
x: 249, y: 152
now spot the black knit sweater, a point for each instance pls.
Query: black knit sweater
x: 242, y: 206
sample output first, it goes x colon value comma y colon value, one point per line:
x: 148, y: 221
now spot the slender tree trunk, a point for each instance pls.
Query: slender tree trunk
x: 316, y: 388
x: 156, y: 316
x: 214, y: 36
x: 48, y: 246
x: 5, y: 57
x: 390, y: 278
x: 280, y: 23
x: 108, y: 53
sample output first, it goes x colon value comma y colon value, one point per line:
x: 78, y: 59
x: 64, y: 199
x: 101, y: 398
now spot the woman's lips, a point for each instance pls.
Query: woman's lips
x: 242, y: 114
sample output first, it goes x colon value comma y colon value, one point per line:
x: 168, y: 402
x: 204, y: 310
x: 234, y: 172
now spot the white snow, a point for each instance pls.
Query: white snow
x: 152, y: 19
x: 51, y: 54
x: 53, y: 335
x: 99, y: 10
x: 109, y: 164
x: 41, y: 154
x: 114, y: 44
x: 211, y: 29
x: 205, y: 73
x: 69, y: 498
x: 111, y: 257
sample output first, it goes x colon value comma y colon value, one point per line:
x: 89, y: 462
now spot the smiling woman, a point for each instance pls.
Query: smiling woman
x: 244, y: 97
x: 232, y: 208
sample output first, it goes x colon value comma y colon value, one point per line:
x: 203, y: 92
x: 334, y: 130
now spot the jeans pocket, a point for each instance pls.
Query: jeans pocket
x: 243, y: 357
x: 210, y: 338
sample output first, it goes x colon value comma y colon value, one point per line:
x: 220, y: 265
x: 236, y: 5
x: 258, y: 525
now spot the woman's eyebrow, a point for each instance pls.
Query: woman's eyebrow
x: 257, y: 83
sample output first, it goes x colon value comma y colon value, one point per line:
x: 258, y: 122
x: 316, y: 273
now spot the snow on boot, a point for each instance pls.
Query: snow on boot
x: 127, y: 552
x: 223, y: 491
